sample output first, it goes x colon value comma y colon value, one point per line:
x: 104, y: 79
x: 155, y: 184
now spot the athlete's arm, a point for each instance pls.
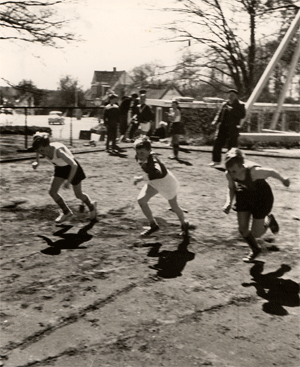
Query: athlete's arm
x: 258, y: 173
x: 230, y: 194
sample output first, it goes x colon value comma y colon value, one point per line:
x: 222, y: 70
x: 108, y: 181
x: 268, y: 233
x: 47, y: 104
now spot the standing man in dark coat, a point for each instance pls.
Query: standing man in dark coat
x: 111, y: 119
x: 127, y: 104
x: 145, y: 116
x: 229, y: 118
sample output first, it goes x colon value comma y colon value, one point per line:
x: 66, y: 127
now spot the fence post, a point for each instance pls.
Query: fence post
x: 249, y: 123
x: 283, y: 121
x: 259, y: 119
x: 26, y: 131
x: 71, y: 128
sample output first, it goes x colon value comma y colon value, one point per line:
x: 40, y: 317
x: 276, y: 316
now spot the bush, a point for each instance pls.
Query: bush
x: 197, y: 123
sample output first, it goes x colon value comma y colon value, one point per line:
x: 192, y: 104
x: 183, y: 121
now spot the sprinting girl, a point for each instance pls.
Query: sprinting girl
x: 254, y: 197
x: 67, y: 170
x: 175, y: 118
x: 160, y: 180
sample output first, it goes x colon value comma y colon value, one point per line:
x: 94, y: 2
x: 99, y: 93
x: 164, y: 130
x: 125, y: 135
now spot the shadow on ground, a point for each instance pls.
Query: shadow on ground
x: 68, y: 241
x: 277, y: 291
x: 181, y: 161
x: 171, y: 263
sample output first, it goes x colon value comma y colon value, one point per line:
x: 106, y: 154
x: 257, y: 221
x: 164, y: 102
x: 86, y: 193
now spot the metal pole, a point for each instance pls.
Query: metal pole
x: 71, y: 128
x: 289, y: 76
x: 25, y: 132
x: 269, y: 69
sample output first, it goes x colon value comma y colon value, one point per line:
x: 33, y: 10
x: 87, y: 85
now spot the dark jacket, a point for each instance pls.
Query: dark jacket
x: 144, y: 113
x: 111, y: 114
x: 125, y: 105
x: 231, y: 117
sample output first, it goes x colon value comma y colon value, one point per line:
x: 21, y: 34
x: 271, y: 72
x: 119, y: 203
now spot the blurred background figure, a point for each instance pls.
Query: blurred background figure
x: 175, y: 119
x: 111, y: 117
x: 127, y: 105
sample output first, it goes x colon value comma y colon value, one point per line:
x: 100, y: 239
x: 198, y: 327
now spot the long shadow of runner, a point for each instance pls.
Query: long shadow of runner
x: 187, y: 163
x: 171, y: 263
x: 68, y: 240
x: 278, y: 292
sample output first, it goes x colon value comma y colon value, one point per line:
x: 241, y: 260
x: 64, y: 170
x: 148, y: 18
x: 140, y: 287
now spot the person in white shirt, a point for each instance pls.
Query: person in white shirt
x: 67, y: 170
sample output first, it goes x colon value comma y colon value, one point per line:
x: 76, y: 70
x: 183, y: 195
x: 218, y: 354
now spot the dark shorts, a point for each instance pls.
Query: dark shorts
x: 64, y: 171
x: 175, y: 128
x: 259, y: 204
x: 123, y: 124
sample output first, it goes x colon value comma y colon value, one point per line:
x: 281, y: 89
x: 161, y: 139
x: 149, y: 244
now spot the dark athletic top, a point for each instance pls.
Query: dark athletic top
x: 154, y: 167
x: 248, y: 184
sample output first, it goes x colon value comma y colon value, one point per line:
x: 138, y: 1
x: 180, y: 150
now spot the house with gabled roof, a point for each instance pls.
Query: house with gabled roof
x: 167, y: 93
x: 106, y: 82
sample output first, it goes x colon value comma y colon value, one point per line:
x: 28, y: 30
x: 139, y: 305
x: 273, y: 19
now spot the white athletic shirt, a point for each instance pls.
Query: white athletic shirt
x: 59, y: 161
x: 177, y: 116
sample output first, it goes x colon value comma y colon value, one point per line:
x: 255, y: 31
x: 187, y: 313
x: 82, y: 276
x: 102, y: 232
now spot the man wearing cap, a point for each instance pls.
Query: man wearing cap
x: 111, y: 117
x: 229, y: 117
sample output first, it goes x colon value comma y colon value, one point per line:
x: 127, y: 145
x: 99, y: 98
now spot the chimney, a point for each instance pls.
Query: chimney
x: 114, y: 69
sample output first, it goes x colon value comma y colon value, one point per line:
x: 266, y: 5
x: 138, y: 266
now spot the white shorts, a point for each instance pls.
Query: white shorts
x: 168, y: 186
x: 145, y: 127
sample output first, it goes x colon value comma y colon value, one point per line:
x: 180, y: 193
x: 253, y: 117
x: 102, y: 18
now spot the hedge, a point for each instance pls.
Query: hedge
x: 20, y: 130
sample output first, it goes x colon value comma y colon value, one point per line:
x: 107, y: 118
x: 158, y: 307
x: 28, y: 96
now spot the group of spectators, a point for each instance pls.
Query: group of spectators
x: 133, y: 115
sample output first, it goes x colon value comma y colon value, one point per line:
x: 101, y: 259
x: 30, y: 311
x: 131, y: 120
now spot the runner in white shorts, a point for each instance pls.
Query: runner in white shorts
x: 159, y: 180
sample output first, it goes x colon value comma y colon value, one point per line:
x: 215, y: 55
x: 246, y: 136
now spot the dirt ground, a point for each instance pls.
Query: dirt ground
x: 97, y: 295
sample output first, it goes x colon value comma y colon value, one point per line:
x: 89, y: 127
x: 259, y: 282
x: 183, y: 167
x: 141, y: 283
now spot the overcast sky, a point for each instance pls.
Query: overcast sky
x: 117, y: 33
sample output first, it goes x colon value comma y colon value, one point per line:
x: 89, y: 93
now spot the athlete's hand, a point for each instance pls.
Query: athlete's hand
x: 286, y: 182
x: 226, y: 208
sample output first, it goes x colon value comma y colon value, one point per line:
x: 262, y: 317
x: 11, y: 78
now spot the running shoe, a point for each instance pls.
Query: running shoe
x: 63, y: 217
x: 273, y: 225
x: 185, y: 229
x: 153, y: 228
x: 253, y: 255
x: 93, y: 213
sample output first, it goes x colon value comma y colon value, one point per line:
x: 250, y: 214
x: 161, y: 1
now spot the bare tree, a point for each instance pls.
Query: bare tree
x: 146, y: 74
x: 217, y: 26
x: 33, y: 21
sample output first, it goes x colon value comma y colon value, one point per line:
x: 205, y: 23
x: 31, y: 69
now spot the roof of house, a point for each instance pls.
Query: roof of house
x: 159, y: 93
x: 24, y: 97
x: 88, y: 94
x: 107, y: 77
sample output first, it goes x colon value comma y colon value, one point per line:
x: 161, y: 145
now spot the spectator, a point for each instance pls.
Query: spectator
x: 229, y: 118
x: 160, y: 132
x: 126, y: 106
x: 145, y: 116
x: 111, y: 117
